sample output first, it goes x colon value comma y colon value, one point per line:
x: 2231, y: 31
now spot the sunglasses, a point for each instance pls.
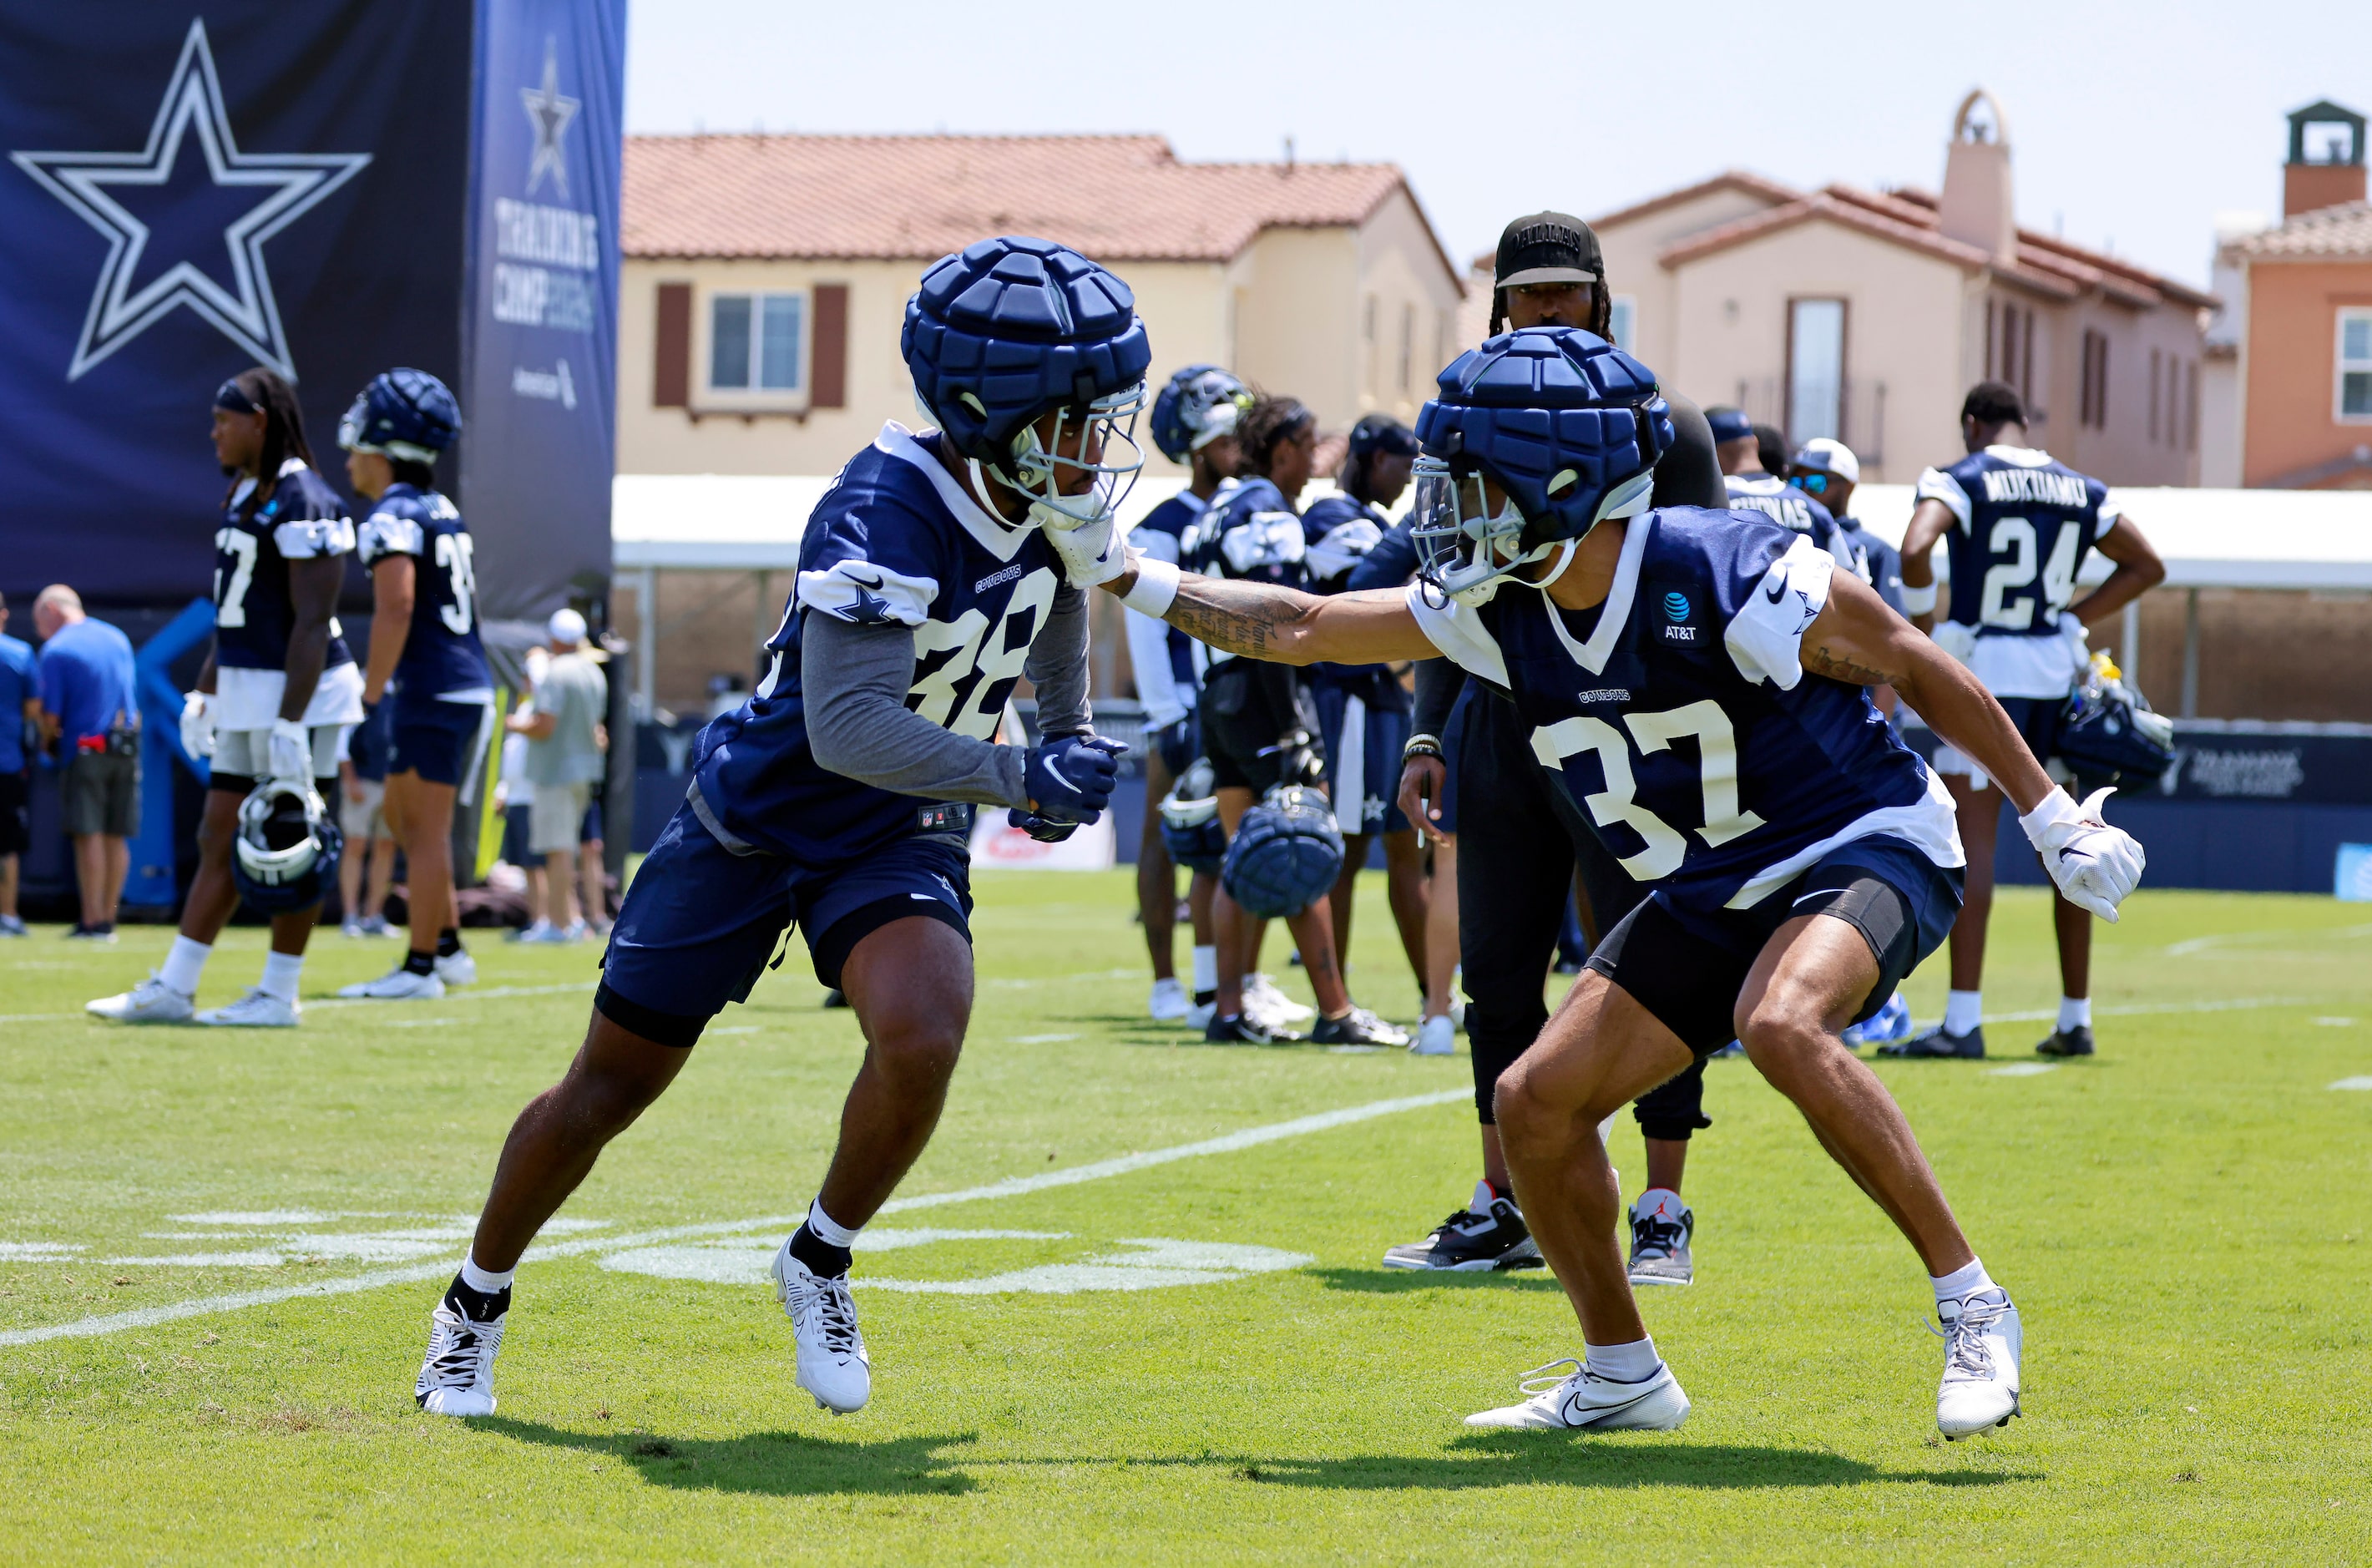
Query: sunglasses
x: 1810, y: 484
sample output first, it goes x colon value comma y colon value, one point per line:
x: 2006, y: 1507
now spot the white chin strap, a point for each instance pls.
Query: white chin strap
x: 1563, y: 560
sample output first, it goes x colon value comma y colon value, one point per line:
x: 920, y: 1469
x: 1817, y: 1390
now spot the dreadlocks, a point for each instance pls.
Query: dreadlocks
x: 265, y: 392
x: 1265, y: 425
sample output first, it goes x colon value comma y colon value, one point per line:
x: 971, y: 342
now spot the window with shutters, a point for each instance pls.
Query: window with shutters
x: 2352, y: 394
x: 757, y: 342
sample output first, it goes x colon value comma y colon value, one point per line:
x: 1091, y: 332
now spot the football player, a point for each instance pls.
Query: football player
x: 840, y: 795
x: 1518, y: 863
x: 1260, y: 730
x: 1698, y: 684
x: 1193, y: 423
x: 2017, y: 525
x: 425, y: 647
x: 273, y: 693
x: 1363, y: 710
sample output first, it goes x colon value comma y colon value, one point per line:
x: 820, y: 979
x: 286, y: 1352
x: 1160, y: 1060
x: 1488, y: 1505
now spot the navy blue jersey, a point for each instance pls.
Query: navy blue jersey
x: 895, y: 541
x: 1781, y: 502
x: 1679, y: 716
x: 1875, y: 562
x: 304, y: 520
x: 2022, y: 525
x: 1391, y: 563
x: 1252, y: 533
x: 1160, y: 534
x: 1338, y: 533
x: 442, y: 657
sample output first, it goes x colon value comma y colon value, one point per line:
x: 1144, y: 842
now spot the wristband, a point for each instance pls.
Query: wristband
x: 1155, y: 588
x: 1918, y: 601
x: 2057, y: 809
x: 1421, y: 746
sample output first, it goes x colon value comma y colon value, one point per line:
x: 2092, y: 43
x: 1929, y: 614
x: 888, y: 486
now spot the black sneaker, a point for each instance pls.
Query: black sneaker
x: 1243, y: 1028
x: 2076, y: 1041
x: 1660, y: 1249
x: 1475, y: 1240
x: 1940, y: 1042
x: 1357, y: 1026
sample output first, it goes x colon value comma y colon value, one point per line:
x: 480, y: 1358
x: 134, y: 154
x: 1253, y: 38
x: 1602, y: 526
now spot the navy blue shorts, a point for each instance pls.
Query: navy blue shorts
x: 701, y: 924
x: 1453, y: 740
x: 1364, y: 780
x: 440, y: 741
x: 1687, y: 965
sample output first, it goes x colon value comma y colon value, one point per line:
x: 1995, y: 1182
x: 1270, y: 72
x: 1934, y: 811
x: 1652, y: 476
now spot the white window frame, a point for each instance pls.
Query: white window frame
x: 1623, y: 322
x: 2342, y: 366
x: 753, y: 397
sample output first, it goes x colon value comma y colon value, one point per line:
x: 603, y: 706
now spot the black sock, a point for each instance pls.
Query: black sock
x: 820, y: 1256
x: 1205, y: 998
x: 448, y: 941
x: 420, y: 963
x: 476, y: 1305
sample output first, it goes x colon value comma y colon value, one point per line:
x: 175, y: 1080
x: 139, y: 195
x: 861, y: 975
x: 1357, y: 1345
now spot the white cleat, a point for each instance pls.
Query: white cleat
x: 1262, y: 996
x: 1434, y: 1036
x: 458, y: 969
x: 1982, y: 1345
x: 399, y: 984
x: 1198, y: 1016
x: 1169, y: 1003
x: 1584, y: 1400
x: 150, y: 1002
x: 458, y: 1375
x: 258, y: 1009
x: 832, y: 1363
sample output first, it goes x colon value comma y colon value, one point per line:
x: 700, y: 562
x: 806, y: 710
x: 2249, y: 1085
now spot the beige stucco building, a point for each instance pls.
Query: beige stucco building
x: 765, y: 278
x: 1866, y: 316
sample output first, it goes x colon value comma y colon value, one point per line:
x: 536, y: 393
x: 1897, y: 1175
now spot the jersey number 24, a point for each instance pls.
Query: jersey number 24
x: 2013, y: 546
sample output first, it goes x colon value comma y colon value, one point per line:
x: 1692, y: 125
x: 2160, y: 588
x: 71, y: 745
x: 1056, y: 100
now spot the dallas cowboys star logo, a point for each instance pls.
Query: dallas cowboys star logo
x: 290, y: 185
x: 550, y: 113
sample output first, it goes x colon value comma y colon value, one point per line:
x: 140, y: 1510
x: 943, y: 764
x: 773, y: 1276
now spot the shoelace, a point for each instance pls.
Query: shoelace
x: 835, y: 1311
x: 1965, y: 1354
x: 1549, y: 1380
x: 458, y: 1349
x: 1652, y: 1235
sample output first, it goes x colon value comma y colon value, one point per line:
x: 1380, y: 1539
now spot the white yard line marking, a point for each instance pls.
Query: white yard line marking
x: 2234, y: 1005
x: 2202, y: 944
x: 1012, y: 1187
x: 489, y: 994
x: 2353, y: 1084
x: 2022, y: 1070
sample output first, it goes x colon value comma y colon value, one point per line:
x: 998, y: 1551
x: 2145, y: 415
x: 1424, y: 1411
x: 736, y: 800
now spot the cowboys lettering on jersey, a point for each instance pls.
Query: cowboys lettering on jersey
x: 1680, y: 718
x: 2022, y: 524
x: 443, y: 657
x: 895, y: 541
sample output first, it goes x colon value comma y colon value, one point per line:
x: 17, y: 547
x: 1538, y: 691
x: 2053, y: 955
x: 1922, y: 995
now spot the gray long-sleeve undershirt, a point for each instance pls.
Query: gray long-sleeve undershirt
x: 855, y: 680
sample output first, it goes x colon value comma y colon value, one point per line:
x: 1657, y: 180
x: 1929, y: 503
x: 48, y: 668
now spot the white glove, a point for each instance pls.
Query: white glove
x: 1958, y: 640
x: 198, y: 724
x: 2097, y: 866
x: 2079, y: 643
x: 291, y: 752
x: 1092, y: 553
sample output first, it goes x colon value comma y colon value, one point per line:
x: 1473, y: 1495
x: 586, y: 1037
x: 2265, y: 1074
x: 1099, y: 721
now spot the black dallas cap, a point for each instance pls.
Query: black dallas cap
x: 1547, y: 248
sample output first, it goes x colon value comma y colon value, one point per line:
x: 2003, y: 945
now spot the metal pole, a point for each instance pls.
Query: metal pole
x: 764, y: 622
x: 2190, y: 655
x: 2130, y: 657
x: 647, y: 640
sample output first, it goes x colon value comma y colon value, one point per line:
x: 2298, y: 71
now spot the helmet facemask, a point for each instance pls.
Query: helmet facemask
x: 1465, y: 546
x: 1103, y: 448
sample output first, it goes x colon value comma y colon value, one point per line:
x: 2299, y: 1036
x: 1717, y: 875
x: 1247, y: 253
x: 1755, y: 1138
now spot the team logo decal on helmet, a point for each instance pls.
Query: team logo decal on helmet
x: 1567, y: 428
x: 1285, y: 855
x: 1008, y: 330
x: 1200, y: 404
x: 407, y: 414
x: 284, y: 855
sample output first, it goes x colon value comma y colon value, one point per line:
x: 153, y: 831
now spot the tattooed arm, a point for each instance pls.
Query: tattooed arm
x: 1859, y: 640
x: 1263, y: 622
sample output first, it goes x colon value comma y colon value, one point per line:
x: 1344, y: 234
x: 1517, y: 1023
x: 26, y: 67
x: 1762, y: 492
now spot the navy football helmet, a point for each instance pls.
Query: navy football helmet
x: 1286, y: 854
x: 284, y: 855
x: 1008, y: 331
x: 1200, y: 404
x: 408, y: 414
x: 2106, y: 729
x: 1569, y: 429
x: 1190, y: 831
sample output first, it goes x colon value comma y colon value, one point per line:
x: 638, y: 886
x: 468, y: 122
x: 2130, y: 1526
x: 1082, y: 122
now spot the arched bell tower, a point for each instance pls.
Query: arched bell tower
x: 1977, y: 207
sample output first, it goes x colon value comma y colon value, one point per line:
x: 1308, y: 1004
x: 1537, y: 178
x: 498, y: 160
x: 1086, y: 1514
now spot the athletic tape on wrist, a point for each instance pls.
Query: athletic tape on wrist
x: 1918, y: 601
x: 1155, y: 588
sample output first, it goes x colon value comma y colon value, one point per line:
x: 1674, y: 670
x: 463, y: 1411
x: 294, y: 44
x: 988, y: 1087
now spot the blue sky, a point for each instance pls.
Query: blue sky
x: 2132, y: 125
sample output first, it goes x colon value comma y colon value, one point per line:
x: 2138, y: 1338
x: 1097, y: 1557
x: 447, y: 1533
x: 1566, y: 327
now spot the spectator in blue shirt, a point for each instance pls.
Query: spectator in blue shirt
x: 20, y: 707
x: 91, y: 714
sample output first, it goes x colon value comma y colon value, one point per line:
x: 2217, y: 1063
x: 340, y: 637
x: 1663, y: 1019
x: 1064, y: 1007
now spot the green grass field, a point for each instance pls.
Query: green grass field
x: 2181, y: 1220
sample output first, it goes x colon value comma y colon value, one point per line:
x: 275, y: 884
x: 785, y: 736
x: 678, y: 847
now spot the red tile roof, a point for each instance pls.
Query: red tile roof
x: 2329, y: 234
x: 1114, y: 198
x: 1739, y: 179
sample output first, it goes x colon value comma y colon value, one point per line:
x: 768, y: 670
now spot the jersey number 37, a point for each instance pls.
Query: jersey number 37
x: 1667, y: 846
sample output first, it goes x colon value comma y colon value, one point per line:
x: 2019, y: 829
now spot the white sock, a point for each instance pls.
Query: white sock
x: 1661, y: 1201
x: 2075, y: 1013
x: 1963, y: 1011
x: 1634, y: 1362
x: 280, y: 972
x: 823, y: 1228
x: 184, y: 964
x: 486, y: 1280
x: 1964, y: 1280
x: 1206, y: 970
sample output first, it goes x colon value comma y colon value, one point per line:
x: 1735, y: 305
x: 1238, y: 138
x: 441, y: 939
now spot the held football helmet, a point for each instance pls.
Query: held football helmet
x: 1190, y: 821
x: 1286, y: 854
x: 1200, y: 404
x: 1566, y: 427
x: 2107, y: 728
x: 1008, y: 330
x: 408, y: 414
x: 284, y: 855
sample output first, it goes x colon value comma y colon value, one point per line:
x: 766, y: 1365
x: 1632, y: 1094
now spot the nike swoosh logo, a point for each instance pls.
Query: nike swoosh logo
x: 1573, y: 1406
x: 1776, y: 591
x: 862, y: 583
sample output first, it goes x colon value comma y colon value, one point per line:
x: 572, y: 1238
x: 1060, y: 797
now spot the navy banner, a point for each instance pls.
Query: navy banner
x: 541, y: 332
